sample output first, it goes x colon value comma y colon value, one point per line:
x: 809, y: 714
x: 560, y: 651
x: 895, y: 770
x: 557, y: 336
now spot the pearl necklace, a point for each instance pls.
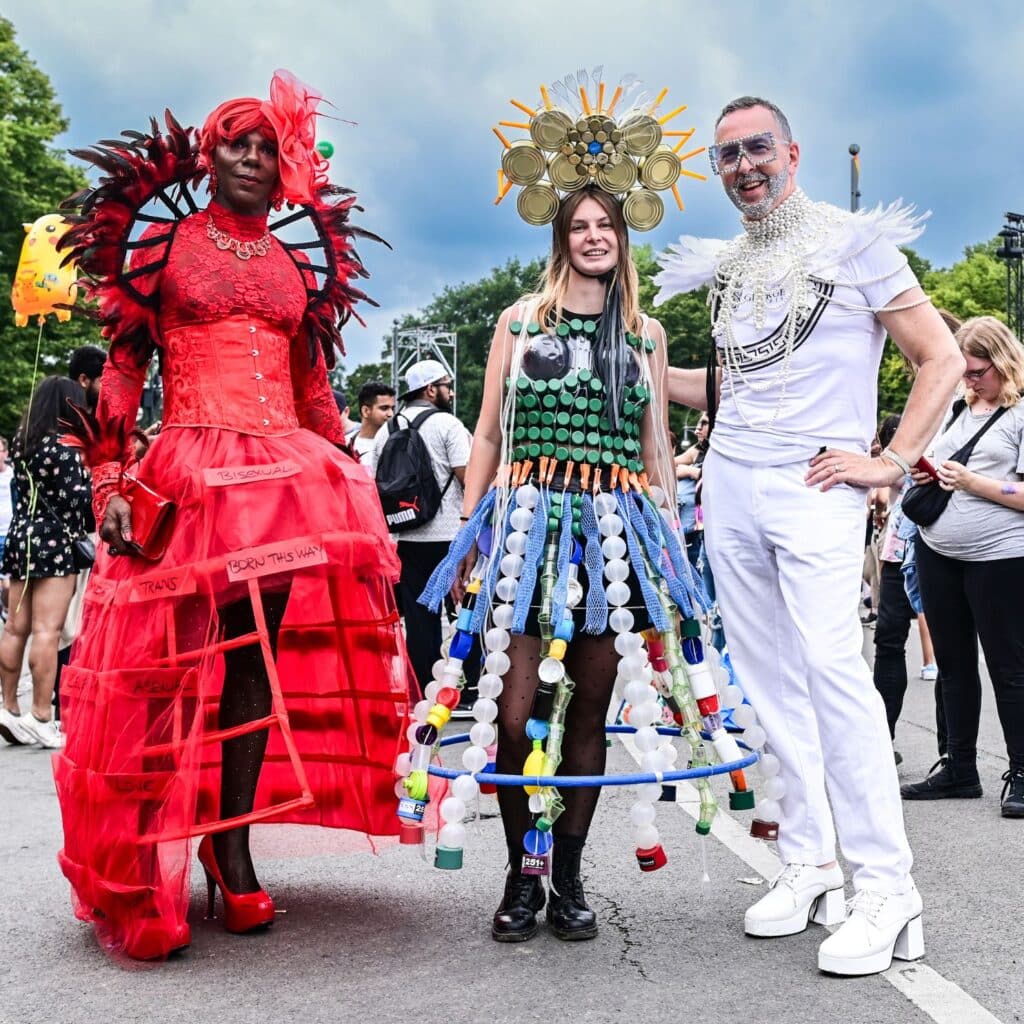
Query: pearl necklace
x: 244, y: 250
x: 772, y: 255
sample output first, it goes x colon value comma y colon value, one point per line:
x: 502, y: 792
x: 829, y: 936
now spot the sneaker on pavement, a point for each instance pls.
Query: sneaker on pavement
x: 943, y: 784
x: 46, y: 733
x: 1013, y: 793
x: 799, y: 894
x: 879, y: 926
x: 13, y: 730
x: 929, y: 673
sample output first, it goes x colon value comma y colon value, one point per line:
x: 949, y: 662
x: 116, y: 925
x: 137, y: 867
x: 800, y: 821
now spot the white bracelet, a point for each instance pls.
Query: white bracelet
x: 897, y: 460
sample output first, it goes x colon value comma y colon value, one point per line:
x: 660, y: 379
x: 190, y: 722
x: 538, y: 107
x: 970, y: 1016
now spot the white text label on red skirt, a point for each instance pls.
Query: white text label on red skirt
x: 225, y: 476
x: 271, y: 558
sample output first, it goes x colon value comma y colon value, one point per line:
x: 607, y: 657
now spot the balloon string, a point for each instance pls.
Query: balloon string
x: 24, y: 465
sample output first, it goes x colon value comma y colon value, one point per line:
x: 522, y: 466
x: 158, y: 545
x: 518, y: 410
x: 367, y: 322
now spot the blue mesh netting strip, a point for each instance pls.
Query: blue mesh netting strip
x: 597, y: 601
x: 442, y: 578
x: 650, y: 594
x: 486, y: 595
x: 561, y: 590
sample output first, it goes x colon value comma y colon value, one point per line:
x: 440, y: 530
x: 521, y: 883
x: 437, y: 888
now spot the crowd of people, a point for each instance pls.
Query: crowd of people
x: 241, y: 657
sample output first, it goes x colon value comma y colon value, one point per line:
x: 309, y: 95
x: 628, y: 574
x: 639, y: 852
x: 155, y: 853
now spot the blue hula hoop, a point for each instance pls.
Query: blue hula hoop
x: 589, y: 781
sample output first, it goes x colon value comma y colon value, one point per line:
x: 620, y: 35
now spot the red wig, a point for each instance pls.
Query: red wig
x: 289, y: 118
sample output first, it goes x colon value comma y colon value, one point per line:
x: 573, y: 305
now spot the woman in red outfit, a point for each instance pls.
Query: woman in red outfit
x: 255, y: 670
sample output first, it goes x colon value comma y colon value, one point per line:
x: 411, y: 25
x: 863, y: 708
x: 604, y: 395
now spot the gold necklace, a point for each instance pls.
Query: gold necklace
x: 244, y: 250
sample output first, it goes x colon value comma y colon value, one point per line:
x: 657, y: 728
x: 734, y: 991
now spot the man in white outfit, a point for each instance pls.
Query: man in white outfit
x: 801, y: 304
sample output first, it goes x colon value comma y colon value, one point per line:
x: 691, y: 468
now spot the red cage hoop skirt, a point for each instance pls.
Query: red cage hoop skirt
x: 140, y: 775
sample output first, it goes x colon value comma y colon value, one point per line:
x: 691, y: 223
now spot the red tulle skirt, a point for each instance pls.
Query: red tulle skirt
x: 141, y: 772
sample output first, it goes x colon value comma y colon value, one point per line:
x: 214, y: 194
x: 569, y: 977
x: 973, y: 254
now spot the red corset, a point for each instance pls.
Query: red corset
x: 233, y: 373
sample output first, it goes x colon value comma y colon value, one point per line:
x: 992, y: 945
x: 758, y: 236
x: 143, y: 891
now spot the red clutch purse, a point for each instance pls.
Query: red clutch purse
x: 152, y: 518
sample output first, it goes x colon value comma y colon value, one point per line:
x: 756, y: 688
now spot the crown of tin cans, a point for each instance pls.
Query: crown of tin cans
x: 579, y: 139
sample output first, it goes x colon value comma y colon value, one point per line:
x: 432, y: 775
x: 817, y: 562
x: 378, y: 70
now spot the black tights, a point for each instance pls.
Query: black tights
x: 246, y: 696
x: 591, y: 663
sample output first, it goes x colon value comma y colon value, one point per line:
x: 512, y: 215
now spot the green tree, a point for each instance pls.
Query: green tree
x: 34, y: 178
x: 975, y: 286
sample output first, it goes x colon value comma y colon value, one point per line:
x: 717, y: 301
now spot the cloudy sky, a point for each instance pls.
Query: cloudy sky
x: 930, y: 90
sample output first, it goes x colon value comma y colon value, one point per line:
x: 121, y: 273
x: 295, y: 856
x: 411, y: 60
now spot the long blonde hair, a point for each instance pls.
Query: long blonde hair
x: 554, y: 282
x: 985, y: 337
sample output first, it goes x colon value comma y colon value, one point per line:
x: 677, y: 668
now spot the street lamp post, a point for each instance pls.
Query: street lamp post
x: 1012, y: 251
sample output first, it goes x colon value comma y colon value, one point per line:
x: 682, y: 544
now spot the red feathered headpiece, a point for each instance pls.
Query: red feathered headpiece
x: 289, y: 116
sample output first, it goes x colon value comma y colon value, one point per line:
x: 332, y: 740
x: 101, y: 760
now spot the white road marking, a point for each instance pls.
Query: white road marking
x: 941, y: 999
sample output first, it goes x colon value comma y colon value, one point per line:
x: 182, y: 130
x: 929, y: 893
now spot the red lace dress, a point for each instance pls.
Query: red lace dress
x: 265, y: 502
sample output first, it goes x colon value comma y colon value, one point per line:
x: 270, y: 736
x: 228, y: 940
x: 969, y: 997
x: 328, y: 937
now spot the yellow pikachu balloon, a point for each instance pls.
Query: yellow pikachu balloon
x: 40, y: 281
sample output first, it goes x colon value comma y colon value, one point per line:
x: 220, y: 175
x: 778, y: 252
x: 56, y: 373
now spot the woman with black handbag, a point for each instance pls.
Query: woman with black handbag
x: 46, y: 549
x: 971, y: 559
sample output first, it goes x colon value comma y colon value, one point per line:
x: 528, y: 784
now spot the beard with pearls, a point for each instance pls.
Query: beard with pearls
x: 776, y: 185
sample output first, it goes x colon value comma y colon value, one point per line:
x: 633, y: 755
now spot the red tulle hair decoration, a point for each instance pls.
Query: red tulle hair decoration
x: 289, y: 117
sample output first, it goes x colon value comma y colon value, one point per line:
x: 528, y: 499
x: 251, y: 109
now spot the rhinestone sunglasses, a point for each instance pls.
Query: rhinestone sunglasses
x: 758, y: 149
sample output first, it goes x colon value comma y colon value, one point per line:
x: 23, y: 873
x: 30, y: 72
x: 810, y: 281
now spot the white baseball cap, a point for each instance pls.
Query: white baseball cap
x: 419, y: 375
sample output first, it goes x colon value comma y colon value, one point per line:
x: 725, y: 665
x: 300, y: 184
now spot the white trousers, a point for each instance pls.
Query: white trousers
x: 787, y: 561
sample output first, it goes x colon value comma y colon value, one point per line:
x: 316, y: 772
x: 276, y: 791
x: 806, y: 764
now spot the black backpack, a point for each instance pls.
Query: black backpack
x: 408, y: 489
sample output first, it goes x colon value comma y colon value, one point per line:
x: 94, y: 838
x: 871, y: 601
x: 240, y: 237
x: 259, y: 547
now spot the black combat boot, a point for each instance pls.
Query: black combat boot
x: 569, y: 917
x: 951, y: 781
x: 516, y: 919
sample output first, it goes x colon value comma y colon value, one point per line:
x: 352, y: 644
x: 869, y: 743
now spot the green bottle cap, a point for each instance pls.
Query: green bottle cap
x: 533, y: 417
x: 524, y: 384
x: 516, y: 326
x: 577, y: 419
x: 617, y: 443
x: 533, y: 434
x: 533, y: 329
x: 548, y: 449
x: 604, y: 424
x: 741, y: 800
x: 519, y: 434
x: 562, y: 437
x: 561, y: 453
x: 562, y: 419
x: 650, y: 345
x: 547, y: 433
x: 548, y: 419
x: 621, y: 459
x: 584, y: 375
x: 596, y: 405
x: 593, y: 438
x: 576, y: 324
x: 703, y: 828
x: 571, y: 381
x: 553, y: 524
x: 577, y: 453
x: 691, y: 628
x: 607, y: 458
x: 628, y: 409
x: 589, y: 327
x: 556, y: 501
x: 549, y: 401
x: 577, y: 500
x: 566, y: 398
x: 578, y: 437
x: 563, y: 329
x: 593, y: 420
x: 530, y: 401
x: 543, y: 824
x: 519, y: 453
x: 581, y: 402
x: 592, y: 456
x: 596, y: 386
x: 641, y: 393
x: 533, y: 450
x: 447, y: 860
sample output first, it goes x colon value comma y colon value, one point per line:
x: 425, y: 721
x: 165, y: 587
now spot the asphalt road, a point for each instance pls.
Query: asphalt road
x: 367, y: 937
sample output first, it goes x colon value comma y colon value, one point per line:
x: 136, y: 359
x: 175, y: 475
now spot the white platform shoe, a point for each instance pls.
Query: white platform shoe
x: 798, y: 895
x: 879, y: 927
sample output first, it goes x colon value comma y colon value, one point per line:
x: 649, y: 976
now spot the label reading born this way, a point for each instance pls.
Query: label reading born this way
x: 225, y: 476
x: 270, y: 558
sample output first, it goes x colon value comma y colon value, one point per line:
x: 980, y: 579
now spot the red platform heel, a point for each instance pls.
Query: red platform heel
x: 243, y: 912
